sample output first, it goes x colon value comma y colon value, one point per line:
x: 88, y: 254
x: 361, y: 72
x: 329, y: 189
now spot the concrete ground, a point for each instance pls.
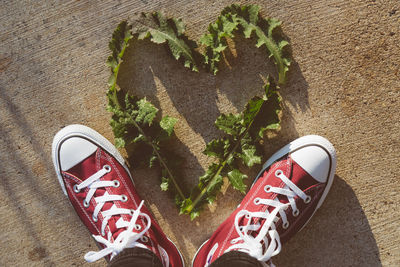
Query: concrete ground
x: 344, y: 85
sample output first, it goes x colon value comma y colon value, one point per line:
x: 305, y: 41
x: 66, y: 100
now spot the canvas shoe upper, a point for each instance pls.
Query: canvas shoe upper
x: 95, y: 178
x: 291, y: 186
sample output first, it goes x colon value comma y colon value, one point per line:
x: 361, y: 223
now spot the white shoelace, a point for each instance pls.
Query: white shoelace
x: 127, y: 238
x: 258, y: 246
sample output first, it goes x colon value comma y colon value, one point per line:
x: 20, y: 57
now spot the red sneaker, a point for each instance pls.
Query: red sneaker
x: 95, y: 178
x: 290, y: 188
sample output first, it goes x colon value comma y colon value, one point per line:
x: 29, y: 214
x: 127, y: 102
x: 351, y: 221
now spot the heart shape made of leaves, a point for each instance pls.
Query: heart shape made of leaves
x: 133, y: 118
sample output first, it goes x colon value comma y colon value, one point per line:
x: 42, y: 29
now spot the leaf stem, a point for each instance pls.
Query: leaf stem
x: 113, y: 97
x: 113, y: 86
x: 113, y: 89
x: 203, y: 192
x: 162, y: 162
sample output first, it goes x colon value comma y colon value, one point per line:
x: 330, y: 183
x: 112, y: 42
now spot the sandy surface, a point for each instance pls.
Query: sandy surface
x: 344, y: 84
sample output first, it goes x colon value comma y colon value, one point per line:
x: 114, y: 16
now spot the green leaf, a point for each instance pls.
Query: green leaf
x: 139, y: 138
x: 208, y: 175
x: 167, y: 123
x: 178, y: 200
x: 249, y: 156
x: 215, y: 41
x: 272, y: 126
x: 230, y: 159
x: 271, y: 108
x: 207, y: 40
x: 214, y: 185
x: 117, y: 45
x: 217, y: 148
x: 185, y: 206
x: 119, y: 142
x: 211, y: 198
x: 249, y: 20
x: 229, y: 123
x: 194, y: 215
x: 152, y: 160
x: 251, y: 110
x: 236, y: 178
x: 253, y: 11
x: 164, y: 184
x: 180, y: 26
x: 170, y: 31
x: 273, y: 24
x: 146, y: 113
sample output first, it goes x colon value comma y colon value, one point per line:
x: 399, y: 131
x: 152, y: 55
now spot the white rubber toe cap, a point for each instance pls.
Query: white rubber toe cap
x: 314, y: 160
x: 74, y: 143
x: 73, y: 151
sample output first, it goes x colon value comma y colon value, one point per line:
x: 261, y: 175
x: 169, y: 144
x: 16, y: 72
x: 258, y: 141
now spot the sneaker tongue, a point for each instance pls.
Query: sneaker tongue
x: 118, y: 224
x: 112, y: 223
x: 115, y: 221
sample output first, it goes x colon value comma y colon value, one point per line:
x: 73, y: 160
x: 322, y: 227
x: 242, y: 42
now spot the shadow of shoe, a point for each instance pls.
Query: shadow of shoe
x: 338, y: 235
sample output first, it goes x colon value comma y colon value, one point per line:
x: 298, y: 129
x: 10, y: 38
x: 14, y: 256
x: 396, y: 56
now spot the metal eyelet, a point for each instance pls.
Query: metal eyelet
x: 144, y: 238
x: 267, y: 188
x: 285, y: 225
x: 95, y: 219
x: 107, y: 168
x: 131, y: 212
x: 278, y: 173
x: 116, y: 183
x: 257, y: 200
x: 124, y: 198
x: 233, y: 241
x: 295, y: 213
x: 307, y: 200
x: 247, y: 216
x: 76, y: 190
x: 85, y: 203
x: 138, y: 227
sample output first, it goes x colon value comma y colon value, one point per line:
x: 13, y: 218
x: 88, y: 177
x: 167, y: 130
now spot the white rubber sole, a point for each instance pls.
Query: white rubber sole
x: 77, y: 130
x: 291, y: 147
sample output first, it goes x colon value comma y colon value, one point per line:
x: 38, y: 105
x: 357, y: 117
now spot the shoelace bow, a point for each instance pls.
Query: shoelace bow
x: 258, y: 246
x: 127, y: 238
